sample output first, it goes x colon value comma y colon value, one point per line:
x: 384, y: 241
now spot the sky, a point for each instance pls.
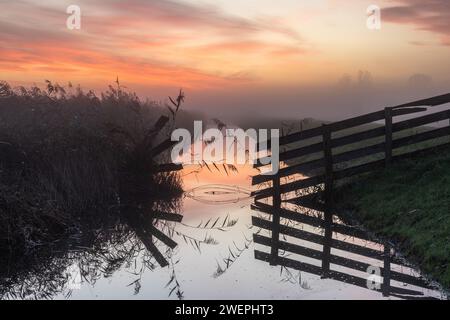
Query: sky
x: 310, y: 58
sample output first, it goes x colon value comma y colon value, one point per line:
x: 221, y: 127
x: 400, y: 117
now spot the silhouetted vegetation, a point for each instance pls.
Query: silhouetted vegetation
x: 67, y: 155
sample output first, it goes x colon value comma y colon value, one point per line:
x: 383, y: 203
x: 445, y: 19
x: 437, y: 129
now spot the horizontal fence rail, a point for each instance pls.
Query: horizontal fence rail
x: 365, y: 119
x: 307, y: 166
x: 318, y: 238
x: 317, y: 158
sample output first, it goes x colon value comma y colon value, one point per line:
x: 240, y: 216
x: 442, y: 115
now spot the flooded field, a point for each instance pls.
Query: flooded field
x: 214, y: 255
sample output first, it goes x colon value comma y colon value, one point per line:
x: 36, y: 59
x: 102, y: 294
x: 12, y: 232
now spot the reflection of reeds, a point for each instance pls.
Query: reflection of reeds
x: 173, y: 283
x: 101, y: 247
x: 234, y: 253
x: 217, y: 224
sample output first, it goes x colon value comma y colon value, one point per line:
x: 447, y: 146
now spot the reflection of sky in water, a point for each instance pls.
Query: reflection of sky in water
x: 246, y: 278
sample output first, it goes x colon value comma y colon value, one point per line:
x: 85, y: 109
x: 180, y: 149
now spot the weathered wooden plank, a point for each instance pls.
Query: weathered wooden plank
x: 297, y: 233
x: 313, y: 221
x: 355, y: 121
x: 350, y: 231
x: 294, y: 153
x: 388, y: 135
x: 433, y: 101
x: 319, y: 239
x: 387, y: 269
x: 302, y: 266
x: 336, y: 275
x: 288, y: 187
x: 302, y: 168
x: 168, y: 216
x: 359, y: 153
x: 374, y: 165
x: 341, y: 261
x: 363, y: 119
x: 168, y: 167
x: 294, y: 137
x: 155, y: 252
x: 335, y: 126
x: 276, y: 204
x: 415, y: 298
x: 328, y: 195
x: 352, y: 138
x: 287, y: 214
x: 364, y: 168
x: 356, y: 249
x: 420, y: 121
x: 286, y: 246
x: 163, y: 146
x: 301, y: 184
x: 420, y: 137
x: 309, y: 201
x: 144, y: 230
x: 358, y: 137
x: 405, y: 111
x: 162, y: 237
x: 335, y: 142
x: 261, y: 194
x: 317, y: 147
x: 367, y: 167
x: 420, y: 152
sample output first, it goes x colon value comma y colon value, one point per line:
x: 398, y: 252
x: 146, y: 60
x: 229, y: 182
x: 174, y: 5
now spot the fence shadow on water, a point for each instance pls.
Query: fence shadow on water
x: 350, y: 255
x: 312, y: 163
x: 138, y: 237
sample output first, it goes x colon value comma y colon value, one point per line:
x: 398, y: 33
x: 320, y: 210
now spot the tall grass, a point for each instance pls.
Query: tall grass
x: 68, y: 154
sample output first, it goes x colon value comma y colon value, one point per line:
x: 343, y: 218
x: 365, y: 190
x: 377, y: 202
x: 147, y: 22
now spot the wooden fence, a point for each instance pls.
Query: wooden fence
x: 348, y: 270
x: 315, y: 157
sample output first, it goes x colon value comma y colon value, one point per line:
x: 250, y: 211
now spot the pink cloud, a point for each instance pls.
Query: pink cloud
x: 431, y: 15
x: 135, y: 37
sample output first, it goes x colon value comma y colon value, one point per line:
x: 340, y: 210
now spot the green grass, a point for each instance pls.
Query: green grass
x: 408, y: 203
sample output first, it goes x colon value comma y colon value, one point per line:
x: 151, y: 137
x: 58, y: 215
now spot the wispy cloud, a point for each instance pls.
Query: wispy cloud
x: 164, y: 41
x: 430, y: 15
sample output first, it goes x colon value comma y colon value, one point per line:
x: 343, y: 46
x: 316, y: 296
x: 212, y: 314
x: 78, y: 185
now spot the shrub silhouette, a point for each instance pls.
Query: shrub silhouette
x: 68, y: 154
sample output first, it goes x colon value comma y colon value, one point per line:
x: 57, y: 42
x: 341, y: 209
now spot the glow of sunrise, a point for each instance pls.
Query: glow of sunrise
x: 220, y: 43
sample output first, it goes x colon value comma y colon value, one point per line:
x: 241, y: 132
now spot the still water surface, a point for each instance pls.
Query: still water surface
x: 198, y: 268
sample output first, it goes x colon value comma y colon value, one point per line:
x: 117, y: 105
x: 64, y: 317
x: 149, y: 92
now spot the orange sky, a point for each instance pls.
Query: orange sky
x: 159, y: 45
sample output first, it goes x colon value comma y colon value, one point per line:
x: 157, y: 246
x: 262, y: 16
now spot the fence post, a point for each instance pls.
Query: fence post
x: 276, y: 203
x: 388, y: 141
x: 448, y: 113
x: 388, y: 159
x: 386, y: 270
x: 328, y: 214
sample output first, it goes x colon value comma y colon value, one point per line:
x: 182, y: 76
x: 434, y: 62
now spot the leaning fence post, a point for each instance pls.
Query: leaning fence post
x: 448, y: 111
x: 276, y: 203
x: 388, y: 159
x: 388, y: 128
x: 328, y: 214
x: 386, y: 270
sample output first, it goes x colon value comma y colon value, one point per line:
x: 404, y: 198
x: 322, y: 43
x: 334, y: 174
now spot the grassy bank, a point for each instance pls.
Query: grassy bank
x: 408, y: 203
x: 68, y: 155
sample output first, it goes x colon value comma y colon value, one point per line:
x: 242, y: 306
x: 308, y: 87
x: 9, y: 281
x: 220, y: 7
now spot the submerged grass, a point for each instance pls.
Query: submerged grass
x: 68, y: 155
x: 409, y: 202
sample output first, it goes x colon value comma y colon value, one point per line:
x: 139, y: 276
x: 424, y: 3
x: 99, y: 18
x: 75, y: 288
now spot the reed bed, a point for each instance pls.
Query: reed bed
x: 68, y: 155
